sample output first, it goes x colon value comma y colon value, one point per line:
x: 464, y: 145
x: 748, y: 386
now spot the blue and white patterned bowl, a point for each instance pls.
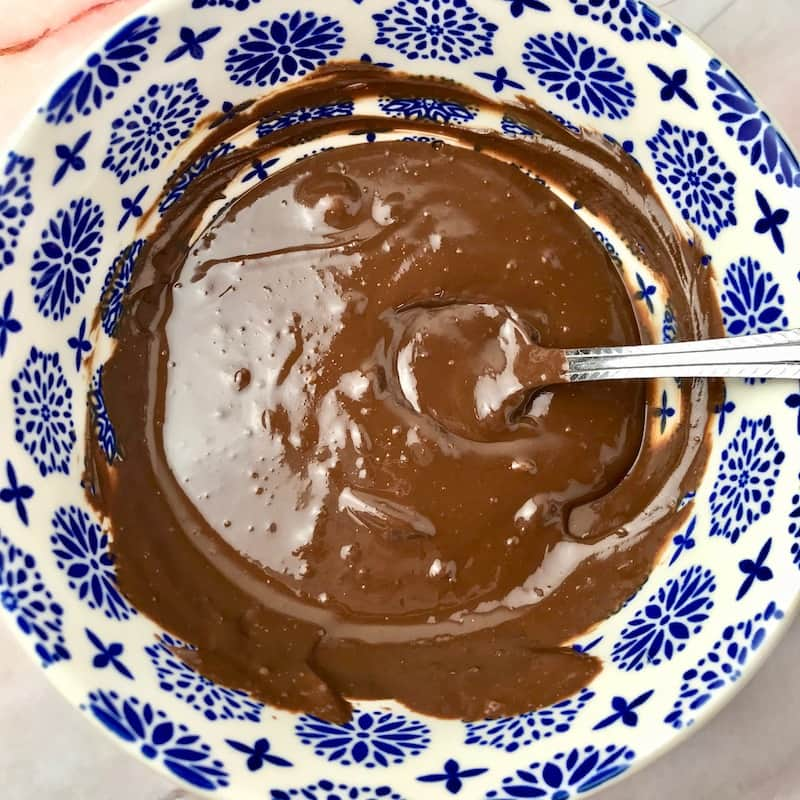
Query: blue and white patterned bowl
x: 95, y: 156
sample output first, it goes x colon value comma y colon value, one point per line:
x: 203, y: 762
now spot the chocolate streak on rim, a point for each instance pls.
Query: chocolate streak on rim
x: 250, y: 633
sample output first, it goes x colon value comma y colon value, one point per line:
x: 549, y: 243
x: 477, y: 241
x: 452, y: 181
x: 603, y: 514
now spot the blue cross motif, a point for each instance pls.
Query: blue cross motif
x: 793, y: 401
x: 132, y: 207
x: 369, y: 136
x: 108, y: 655
x: 71, y: 157
x: 519, y: 6
x: 726, y: 407
x: 686, y: 499
x: 664, y: 411
x: 585, y: 648
x: 684, y: 541
x: 192, y: 43
x: 259, y: 169
x: 673, y: 85
x: 500, y: 79
x: 227, y: 112
x: 7, y: 323
x: 16, y: 493
x: 624, y: 711
x: 80, y: 344
x: 646, y: 292
x: 453, y: 776
x: 771, y: 221
x: 258, y: 754
x: 366, y: 58
x: 755, y: 570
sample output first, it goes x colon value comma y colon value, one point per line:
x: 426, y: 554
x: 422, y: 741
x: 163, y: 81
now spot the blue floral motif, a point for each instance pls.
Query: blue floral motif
x: 751, y: 127
x: 513, y: 127
x: 16, y: 204
x: 695, y: 177
x: 183, y: 753
x: 722, y: 665
x: 115, y: 286
x: 258, y: 754
x: 446, y: 112
x: 327, y: 790
x: 663, y: 627
x: 95, y: 83
x: 624, y: 711
x: 608, y: 246
x: 283, y: 48
x: 103, y: 427
x: 43, y: 412
x: 25, y: 597
x: 177, y: 185
x: 426, y: 139
x: 81, y: 550
x: 453, y: 776
x: 108, y: 655
x: 149, y: 129
x: 511, y: 733
x: 684, y: 541
x: 565, y: 123
x: 16, y: 493
x: 669, y: 325
x: 584, y: 75
x: 439, y: 30
x: 62, y: 265
x: 298, y: 116
x: 631, y: 19
x: 751, y: 299
x: 202, y: 694
x: 8, y: 324
x: 370, y: 739
x: 239, y: 5
x: 794, y: 529
x: 749, y: 468
x: 573, y: 772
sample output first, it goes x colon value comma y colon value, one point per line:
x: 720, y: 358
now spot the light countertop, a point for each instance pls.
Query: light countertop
x: 750, y: 751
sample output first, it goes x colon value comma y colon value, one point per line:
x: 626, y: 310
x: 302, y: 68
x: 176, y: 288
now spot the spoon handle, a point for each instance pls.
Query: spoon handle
x: 760, y: 355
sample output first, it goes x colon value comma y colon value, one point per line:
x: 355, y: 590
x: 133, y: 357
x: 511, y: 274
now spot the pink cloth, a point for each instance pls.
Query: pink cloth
x: 42, y: 42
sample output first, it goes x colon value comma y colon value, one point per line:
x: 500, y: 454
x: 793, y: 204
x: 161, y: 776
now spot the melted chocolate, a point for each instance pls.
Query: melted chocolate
x: 281, y: 504
x: 473, y: 368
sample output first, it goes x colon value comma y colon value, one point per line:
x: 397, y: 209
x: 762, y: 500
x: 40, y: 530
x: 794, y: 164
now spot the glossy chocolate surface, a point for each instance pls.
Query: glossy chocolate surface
x: 282, y: 503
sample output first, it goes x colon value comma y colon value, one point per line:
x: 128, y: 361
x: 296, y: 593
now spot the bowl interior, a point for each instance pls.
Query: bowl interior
x: 74, y: 195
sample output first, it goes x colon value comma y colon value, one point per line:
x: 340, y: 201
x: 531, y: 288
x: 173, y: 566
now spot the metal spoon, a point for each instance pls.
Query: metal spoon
x: 474, y: 368
x: 760, y: 355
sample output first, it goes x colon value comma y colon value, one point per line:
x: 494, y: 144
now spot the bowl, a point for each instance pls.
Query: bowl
x: 76, y: 186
